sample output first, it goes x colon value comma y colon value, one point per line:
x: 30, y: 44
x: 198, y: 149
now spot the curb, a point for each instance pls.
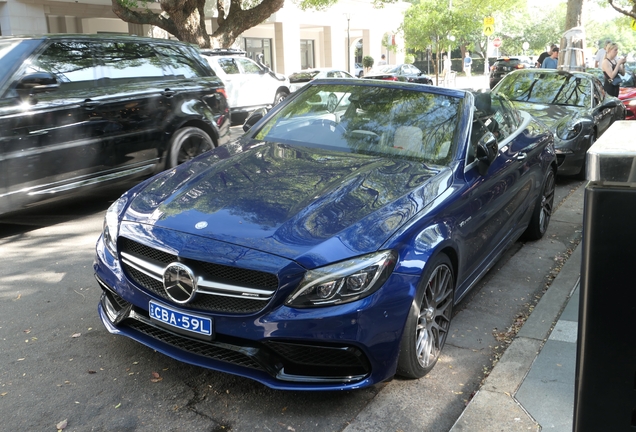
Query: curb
x: 494, y: 406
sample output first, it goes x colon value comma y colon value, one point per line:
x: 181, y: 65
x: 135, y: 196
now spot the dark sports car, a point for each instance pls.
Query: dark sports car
x: 402, y: 72
x: 327, y: 247
x: 573, y: 105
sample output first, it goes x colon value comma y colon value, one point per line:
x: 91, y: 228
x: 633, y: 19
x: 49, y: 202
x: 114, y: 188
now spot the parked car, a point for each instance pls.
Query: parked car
x: 84, y: 110
x: 504, y: 65
x: 327, y: 247
x: 573, y: 105
x: 299, y: 79
x: 401, y: 72
x: 248, y: 84
x: 359, y: 69
x: 627, y: 92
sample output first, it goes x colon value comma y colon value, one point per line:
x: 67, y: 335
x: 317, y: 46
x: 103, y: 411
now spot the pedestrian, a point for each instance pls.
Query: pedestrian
x: 612, y: 67
x: 382, y: 60
x: 468, y: 63
x: 544, y: 55
x: 600, y: 54
x: 551, y: 62
x: 446, y: 72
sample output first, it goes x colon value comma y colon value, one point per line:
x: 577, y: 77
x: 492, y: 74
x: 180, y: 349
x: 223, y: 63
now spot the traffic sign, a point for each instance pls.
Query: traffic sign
x: 489, y: 25
x: 496, y: 42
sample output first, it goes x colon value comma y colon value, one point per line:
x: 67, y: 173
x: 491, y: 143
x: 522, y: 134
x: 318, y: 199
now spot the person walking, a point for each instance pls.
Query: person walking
x: 468, y: 63
x: 446, y: 71
x: 544, y: 55
x: 612, y: 67
x: 551, y: 62
x: 382, y: 60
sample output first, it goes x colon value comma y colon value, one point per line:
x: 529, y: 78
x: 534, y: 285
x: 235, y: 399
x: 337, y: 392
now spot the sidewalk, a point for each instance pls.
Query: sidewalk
x: 532, y: 385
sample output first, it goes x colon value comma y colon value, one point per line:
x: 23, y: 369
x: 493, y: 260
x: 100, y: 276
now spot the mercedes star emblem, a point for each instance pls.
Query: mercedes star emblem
x: 179, y: 283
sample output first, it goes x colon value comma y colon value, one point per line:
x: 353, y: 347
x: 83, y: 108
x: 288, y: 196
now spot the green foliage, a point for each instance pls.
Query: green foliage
x: 409, y: 58
x: 367, y: 62
x: 430, y: 23
x: 319, y: 5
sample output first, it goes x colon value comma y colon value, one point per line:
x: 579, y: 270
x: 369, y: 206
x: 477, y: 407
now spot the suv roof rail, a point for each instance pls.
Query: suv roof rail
x: 222, y: 51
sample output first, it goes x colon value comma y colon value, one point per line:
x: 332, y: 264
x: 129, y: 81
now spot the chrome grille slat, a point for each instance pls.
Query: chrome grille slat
x: 221, y: 287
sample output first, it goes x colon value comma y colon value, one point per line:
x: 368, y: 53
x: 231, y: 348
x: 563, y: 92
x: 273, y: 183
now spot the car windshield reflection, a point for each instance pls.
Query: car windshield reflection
x: 547, y: 88
x: 371, y: 120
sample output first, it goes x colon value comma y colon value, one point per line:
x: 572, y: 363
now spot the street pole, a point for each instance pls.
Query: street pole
x: 348, y: 44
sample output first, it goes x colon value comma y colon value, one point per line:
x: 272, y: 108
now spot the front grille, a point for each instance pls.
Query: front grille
x: 204, y: 349
x: 204, y: 301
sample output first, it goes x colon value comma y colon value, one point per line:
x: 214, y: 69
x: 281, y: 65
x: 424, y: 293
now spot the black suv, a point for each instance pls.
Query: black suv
x: 503, y: 65
x: 83, y: 110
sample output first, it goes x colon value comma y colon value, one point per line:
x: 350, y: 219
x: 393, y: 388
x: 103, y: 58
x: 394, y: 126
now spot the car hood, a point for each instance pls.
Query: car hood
x: 550, y: 115
x: 310, y: 205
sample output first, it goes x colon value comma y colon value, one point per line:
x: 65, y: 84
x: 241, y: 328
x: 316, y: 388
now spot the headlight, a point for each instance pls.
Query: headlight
x: 630, y: 102
x: 343, y: 282
x: 111, y: 224
x: 568, y: 131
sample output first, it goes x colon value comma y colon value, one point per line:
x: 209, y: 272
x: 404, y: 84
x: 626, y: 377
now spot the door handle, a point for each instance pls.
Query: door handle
x: 521, y: 156
x: 168, y: 93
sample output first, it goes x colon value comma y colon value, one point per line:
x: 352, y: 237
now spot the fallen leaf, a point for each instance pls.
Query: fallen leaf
x: 156, y: 375
x: 91, y: 371
x: 61, y: 425
x: 18, y: 297
x: 118, y: 405
x: 4, y: 394
x: 20, y: 359
x: 156, y: 380
x: 76, y: 335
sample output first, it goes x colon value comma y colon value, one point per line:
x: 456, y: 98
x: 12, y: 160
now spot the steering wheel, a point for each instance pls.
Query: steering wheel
x: 332, y: 102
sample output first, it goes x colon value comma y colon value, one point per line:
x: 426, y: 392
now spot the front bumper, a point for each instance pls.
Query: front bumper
x: 332, y: 348
x: 571, y: 154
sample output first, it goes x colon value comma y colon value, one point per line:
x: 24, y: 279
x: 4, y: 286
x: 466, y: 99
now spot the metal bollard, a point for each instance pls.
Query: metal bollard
x: 605, y: 385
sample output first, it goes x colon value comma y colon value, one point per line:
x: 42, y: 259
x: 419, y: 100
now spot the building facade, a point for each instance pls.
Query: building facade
x: 290, y: 39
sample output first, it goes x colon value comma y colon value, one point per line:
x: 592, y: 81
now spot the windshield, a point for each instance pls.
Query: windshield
x: 547, y: 88
x: 384, y: 121
x: 303, y: 76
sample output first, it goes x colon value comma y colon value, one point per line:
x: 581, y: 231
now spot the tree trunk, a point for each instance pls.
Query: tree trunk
x: 185, y: 19
x: 573, y: 14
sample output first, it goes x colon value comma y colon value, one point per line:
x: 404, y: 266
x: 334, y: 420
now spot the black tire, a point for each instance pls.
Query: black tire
x: 542, y: 209
x: 428, y: 322
x: 280, y: 96
x: 187, y: 143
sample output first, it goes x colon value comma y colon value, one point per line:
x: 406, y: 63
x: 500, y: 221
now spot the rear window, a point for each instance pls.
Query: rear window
x: 507, y: 62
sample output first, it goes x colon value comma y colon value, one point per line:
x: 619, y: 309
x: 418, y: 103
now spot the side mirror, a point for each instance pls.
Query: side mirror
x: 38, y: 82
x: 253, y: 118
x: 487, y: 150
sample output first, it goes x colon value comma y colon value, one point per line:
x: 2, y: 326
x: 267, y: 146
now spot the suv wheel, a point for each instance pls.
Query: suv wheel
x: 280, y: 95
x: 186, y: 144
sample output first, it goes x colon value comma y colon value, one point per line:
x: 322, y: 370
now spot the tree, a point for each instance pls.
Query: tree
x: 185, y: 19
x: 431, y: 23
x: 574, y: 14
x: 626, y: 7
